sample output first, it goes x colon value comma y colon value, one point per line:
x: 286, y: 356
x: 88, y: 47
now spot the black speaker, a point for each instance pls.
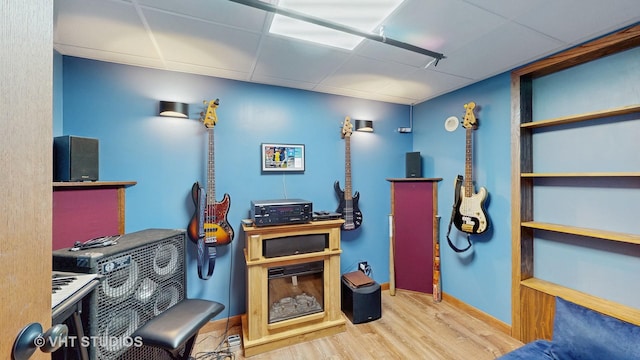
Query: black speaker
x: 292, y: 245
x: 75, y: 158
x: 414, y: 165
x: 142, y: 276
x: 362, y: 304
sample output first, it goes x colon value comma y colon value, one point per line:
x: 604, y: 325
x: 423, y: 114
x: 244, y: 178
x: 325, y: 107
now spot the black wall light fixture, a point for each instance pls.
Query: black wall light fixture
x: 174, y: 109
x: 364, y: 125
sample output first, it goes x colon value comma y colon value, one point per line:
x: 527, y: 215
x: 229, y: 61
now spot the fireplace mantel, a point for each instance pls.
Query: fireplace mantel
x: 258, y: 335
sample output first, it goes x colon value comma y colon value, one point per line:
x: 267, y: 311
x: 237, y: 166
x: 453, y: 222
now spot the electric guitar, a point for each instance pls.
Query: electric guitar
x: 470, y: 216
x: 348, y: 207
x: 208, y: 226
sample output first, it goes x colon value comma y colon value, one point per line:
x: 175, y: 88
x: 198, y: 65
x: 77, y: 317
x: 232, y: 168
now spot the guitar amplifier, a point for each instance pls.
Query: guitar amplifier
x: 281, y: 212
x: 143, y: 275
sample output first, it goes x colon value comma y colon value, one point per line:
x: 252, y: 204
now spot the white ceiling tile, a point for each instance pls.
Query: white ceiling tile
x: 182, y: 39
x: 217, y: 11
x: 296, y: 60
x: 575, y: 21
x: 363, y: 94
x: 208, y: 71
x: 101, y: 25
x: 497, y: 51
x: 480, y: 38
x: 425, y: 83
x: 510, y: 9
x: 440, y: 26
x: 364, y: 74
x: 262, y: 79
x: 380, y: 51
x: 114, y: 57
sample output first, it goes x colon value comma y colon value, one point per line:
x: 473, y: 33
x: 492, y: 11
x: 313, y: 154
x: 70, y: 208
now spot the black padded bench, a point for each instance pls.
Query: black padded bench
x: 178, y: 325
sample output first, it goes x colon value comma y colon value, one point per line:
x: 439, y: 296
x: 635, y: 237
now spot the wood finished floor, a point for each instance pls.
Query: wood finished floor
x: 412, y: 326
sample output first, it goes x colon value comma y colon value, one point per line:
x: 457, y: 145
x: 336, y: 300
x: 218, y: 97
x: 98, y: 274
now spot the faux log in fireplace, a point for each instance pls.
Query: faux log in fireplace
x: 294, y: 297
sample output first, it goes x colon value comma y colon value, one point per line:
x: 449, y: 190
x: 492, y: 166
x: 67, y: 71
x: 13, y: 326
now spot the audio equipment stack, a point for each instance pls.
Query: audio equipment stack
x: 281, y: 212
x: 143, y: 274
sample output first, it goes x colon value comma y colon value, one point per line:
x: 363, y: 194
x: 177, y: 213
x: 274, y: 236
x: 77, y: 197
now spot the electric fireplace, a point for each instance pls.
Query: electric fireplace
x: 292, y: 295
x: 295, y: 290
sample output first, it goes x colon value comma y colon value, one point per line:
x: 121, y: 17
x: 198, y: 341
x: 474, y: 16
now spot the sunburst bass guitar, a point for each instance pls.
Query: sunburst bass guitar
x: 209, y: 227
x: 470, y: 215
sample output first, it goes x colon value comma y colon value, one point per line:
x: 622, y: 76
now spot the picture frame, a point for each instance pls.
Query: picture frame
x: 282, y: 157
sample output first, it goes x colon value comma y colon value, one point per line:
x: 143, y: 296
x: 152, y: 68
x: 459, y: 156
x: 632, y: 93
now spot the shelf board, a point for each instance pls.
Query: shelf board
x: 583, y: 117
x: 412, y: 179
x: 607, y: 307
x: 600, y: 234
x: 582, y: 174
x: 92, y: 184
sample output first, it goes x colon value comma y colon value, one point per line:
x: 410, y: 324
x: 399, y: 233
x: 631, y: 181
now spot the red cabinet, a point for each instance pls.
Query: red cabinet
x: 84, y: 210
x: 414, y: 206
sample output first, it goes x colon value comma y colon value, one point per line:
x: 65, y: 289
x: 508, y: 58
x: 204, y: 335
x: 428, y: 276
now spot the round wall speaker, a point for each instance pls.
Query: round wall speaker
x: 451, y: 123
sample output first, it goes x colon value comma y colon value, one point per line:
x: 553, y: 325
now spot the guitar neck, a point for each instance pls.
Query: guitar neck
x: 211, y: 179
x: 468, y: 173
x: 347, y: 168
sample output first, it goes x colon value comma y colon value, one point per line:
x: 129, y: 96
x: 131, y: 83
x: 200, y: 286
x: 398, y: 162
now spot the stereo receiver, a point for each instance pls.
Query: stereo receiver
x: 281, y: 212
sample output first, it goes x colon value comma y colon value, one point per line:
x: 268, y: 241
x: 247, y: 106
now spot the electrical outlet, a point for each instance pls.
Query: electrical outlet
x: 362, y: 266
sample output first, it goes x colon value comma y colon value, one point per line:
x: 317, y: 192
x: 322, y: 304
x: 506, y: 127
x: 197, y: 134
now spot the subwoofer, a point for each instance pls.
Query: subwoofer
x: 142, y: 276
x: 75, y: 158
x: 361, y: 304
x: 414, y: 165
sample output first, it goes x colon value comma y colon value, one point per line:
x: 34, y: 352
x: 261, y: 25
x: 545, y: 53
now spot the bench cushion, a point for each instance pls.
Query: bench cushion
x: 172, y: 328
x: 581, y: 333
x: 536, y: 350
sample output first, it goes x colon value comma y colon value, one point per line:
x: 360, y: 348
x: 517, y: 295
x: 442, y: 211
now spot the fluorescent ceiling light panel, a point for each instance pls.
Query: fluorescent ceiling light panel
x: 364, y: 15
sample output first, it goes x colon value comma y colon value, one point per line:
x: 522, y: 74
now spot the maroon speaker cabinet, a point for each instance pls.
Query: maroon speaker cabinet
x: 414, y: 207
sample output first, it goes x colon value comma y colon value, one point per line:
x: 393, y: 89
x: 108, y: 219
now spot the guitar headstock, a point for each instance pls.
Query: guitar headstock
x: 347, y: 127
x: 210, y: 118
x: 469, y: 121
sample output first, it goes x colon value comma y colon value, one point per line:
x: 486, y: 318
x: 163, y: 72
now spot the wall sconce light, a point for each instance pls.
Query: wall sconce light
x: 174, y: 109
x: 364, y: 125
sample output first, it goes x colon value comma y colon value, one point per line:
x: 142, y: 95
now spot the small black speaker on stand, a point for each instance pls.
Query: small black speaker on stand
x: 75, y: 158
x: 414, y: 165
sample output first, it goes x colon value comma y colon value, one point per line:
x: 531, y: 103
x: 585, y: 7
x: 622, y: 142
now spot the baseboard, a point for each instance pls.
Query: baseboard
x: 478, y: 314
x: 221, y: 325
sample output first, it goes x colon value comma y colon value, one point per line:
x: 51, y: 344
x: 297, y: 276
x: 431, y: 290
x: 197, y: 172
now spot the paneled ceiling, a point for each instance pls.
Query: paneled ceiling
x: 480, y: 38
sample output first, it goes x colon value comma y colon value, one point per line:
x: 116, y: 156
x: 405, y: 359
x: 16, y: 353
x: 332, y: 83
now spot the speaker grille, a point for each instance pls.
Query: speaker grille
x: 143, y: 275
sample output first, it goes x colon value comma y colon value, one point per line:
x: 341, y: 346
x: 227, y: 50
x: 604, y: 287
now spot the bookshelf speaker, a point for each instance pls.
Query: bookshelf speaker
x: 414, y: 165
x: 75, y: 158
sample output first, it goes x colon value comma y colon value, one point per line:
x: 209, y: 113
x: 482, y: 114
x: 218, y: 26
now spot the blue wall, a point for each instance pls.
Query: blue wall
x: 118, y: 104
x: 481, y: 276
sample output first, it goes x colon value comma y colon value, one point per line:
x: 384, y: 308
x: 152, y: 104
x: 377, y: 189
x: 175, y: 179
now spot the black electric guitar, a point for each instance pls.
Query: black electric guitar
x: 208, y: 226
x: 470, y: 216
x: 348, y: 207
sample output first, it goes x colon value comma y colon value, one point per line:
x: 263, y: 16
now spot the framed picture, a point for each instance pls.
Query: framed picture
x: 282, y: 157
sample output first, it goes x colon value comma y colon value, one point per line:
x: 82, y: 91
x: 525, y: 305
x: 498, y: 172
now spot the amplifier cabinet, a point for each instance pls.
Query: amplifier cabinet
x: 143, y: 275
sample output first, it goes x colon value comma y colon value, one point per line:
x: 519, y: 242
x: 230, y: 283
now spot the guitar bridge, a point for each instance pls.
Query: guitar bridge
x: 467, y: 227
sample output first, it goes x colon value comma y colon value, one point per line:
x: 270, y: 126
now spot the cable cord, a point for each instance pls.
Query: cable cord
x: 220, y: 353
